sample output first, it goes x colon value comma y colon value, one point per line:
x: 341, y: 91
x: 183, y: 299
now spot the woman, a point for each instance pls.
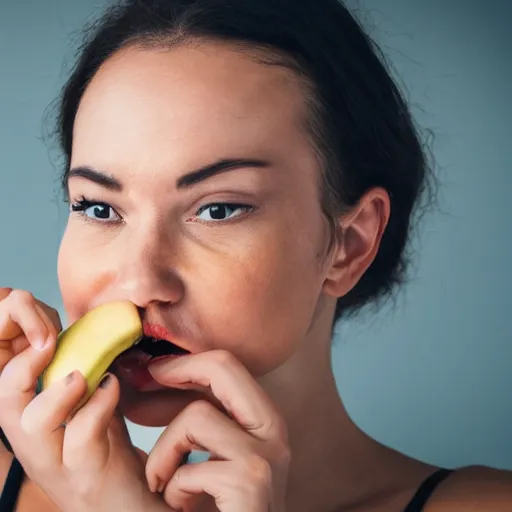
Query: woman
x: 246, y: 173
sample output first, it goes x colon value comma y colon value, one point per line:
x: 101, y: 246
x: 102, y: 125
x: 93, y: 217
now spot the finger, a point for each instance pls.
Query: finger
x: 86, y: 441
x: 4, y: 293
x: 187, y: 501
x: 18, y: 382
x: 20, y: 375
x: 50, y: 318
x: 222, y: 437
x: 118, y: 433
x: 38, y: 429
x: 52, y: 407
x: 231, y: 383
x: 234, y: 486
x: 20, y: 314
x: 119, y: 438
x: 9, y: 348
x: 35, y: 429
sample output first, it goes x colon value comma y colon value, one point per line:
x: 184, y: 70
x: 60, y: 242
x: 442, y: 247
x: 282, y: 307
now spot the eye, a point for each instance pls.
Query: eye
x: 94, y: 210
x: 219, y: 212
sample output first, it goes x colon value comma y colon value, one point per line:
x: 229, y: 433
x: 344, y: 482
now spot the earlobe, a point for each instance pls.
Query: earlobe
x: 355, y: 249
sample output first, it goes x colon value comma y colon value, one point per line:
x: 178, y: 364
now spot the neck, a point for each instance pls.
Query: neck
x: 334, y: 464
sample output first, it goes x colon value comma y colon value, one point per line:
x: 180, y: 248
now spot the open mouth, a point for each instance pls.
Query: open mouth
x: 132, y: 365
x: 155, y: 347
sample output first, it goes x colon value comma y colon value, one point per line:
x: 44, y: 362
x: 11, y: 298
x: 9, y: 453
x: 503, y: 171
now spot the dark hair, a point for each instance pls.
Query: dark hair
x: 359, y: 123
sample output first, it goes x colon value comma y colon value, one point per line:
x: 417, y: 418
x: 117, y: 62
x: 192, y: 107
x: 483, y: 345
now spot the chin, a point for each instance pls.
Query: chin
x: 155, y: 408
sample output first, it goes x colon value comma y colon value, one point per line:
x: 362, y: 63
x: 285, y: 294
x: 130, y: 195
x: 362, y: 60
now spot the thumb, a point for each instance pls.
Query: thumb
x: 119, y: 439
x: 118, y: 433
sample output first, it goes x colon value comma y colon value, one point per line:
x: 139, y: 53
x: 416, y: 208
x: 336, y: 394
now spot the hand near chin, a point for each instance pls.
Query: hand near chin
x: 250, y: 456
x: 91, y: 464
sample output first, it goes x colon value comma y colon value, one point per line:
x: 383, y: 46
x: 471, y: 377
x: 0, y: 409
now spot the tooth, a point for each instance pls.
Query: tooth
x: 92, y: 343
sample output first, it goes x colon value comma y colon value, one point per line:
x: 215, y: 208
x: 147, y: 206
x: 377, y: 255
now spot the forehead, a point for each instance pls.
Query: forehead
x: 210, y: 97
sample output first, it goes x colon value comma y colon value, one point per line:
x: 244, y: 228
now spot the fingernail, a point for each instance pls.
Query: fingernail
x: 39, y: 344
x: 105, y: 381
x: 160, y: 486
x: 154, y: 486
x: 70, y: 377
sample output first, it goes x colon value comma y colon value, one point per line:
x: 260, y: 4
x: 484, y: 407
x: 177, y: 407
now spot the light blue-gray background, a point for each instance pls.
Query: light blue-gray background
x: 432, y: 377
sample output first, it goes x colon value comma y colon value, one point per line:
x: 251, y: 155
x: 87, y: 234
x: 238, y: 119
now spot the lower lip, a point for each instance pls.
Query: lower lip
x: 132, y: 368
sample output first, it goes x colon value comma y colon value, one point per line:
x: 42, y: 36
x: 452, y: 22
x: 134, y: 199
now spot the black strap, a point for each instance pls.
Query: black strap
x: 5, y: 442
x: 12, y: 487
x: 426, y: 490
x: 13, y: 482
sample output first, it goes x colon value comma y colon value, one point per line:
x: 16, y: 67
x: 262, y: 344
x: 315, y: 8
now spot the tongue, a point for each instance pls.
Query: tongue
x: 133, y: 357
x: 132, y: 367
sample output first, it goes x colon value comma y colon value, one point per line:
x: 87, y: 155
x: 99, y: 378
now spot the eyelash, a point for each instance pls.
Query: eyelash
x: 82, y: 204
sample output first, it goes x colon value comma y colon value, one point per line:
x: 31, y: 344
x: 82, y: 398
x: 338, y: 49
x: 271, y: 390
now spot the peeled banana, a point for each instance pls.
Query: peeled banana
x: 91, y: 344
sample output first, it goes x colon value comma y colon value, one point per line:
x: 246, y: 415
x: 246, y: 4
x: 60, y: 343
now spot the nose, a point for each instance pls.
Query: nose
x: 146, y: 275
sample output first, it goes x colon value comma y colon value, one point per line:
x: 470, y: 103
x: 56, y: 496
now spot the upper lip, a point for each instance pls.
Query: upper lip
x: 159, y: 332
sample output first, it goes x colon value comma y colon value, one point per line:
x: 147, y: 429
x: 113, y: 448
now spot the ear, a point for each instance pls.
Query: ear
x: 355, y: 249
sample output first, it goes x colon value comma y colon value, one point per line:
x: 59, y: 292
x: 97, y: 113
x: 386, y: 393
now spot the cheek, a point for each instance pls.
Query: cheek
x: 261, y: 307
x: 78, y: 274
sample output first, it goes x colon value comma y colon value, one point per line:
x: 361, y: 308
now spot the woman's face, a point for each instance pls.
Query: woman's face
x: 222, y: 255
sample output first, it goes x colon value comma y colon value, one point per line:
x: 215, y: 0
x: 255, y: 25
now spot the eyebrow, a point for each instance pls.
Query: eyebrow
x: 105, y: 180
x: 192, y: 178
x: 216, y: 168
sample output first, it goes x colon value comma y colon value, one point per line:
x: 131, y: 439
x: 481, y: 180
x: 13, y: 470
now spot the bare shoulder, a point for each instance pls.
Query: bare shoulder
x: 474, y: 489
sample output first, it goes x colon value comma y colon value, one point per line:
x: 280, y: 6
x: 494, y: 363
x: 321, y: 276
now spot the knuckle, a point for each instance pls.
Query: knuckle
x: 277, y: 428
x: 29, y: 424
x: 222, y: 357
x: 281, y: 432
x: 282, y: 453
x: 199, y: 410
x: 33, y: 332
x: 22, y: 297
x: 258, y: 470
x: 53, y: 316
x: 4, y: 293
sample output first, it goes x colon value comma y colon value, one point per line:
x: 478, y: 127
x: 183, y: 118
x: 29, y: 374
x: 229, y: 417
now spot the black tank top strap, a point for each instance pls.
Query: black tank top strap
x: 12, y: 487
x: 5, y: 441
x: 426, y: 489
x: 13, y: 482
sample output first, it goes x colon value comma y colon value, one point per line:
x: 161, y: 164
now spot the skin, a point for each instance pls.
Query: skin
x: 150, y: 117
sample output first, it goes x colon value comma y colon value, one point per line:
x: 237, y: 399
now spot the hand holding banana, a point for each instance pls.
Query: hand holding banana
x: 91, y: 464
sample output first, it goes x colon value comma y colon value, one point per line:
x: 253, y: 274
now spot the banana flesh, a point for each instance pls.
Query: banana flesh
x: 91, y: 344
